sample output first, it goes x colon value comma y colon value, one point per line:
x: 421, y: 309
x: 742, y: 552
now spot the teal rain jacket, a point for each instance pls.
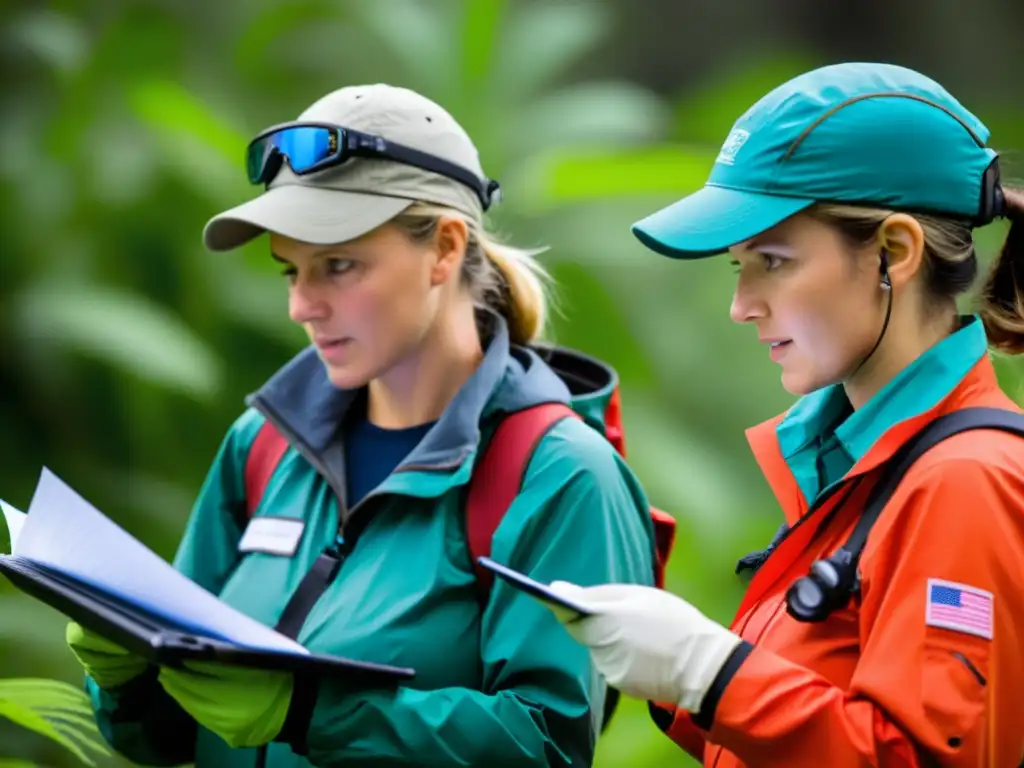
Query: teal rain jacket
x: 501, y: 686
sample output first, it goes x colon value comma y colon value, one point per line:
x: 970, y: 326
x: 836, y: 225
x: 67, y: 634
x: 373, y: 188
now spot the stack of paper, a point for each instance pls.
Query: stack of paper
x: 64, y: 532
x: 15, y: 519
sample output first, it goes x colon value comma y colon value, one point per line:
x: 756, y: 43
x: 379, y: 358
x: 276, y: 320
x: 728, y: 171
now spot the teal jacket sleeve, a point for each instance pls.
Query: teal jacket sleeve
x: 139, y: 719
x: 581, y: 516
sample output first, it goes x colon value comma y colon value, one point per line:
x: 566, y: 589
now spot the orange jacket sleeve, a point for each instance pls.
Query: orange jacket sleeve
x: 921, y: 694
x: 678, y: 726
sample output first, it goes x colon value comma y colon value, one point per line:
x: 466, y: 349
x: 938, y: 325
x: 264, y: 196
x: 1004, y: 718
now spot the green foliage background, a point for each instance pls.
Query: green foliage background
x: 126, y: 349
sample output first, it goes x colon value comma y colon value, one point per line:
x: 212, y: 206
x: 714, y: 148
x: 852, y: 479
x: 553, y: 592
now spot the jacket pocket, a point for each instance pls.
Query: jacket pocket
x: 955, y: 689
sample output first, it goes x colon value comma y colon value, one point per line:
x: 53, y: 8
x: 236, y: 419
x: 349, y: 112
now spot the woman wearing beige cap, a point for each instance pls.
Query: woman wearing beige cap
x: 421, y: 328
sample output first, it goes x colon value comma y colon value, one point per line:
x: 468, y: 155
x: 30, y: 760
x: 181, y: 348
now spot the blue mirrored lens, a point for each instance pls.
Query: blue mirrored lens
x: 303, y: 148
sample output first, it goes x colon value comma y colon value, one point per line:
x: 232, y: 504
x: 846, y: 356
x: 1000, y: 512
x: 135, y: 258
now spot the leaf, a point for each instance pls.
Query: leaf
x: 266, y: 29
x: 481, y: 22
x: 259, y: 300
x: 31, y: 625
x: 566, y: 176
x: 204, y: 150
x: 56, y: 710
x: 581, y: 295
x: 121, y: 162
x: 55, y: 38
x: 677, y: 465
x: 168, y: 107
x: 421, y: 43
x: 705, y: 114
x: 123, y: 330
x: 541, y: 41
x: 597, y: 113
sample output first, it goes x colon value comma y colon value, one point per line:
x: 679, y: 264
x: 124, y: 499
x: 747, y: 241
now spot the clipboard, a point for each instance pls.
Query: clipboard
x: 566, y: 610
x: 162, y: 643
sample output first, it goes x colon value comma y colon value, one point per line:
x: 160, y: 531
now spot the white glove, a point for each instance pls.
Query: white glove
x: 649, y: 643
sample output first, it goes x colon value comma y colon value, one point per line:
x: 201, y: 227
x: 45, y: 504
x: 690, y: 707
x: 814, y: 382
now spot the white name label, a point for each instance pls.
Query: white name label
x: 273, y: 535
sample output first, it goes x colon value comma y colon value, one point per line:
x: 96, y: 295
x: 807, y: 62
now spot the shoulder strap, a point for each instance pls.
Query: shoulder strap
x: 934, y: 433
x: 265, y: 452
x: 498, y: 477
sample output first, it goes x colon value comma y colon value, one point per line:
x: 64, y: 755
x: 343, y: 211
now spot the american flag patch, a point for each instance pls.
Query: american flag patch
x: 959, y: 607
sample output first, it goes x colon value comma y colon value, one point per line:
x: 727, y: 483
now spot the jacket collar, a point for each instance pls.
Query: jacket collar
x: 979, y: 386
x: 308, y: 410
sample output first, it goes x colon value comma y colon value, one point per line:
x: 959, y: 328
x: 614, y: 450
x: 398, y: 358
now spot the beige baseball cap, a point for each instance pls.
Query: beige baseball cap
x: 344, y: 202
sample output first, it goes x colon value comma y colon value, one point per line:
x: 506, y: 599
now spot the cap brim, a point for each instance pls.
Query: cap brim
x: 310, y: 214
x: 710, y: 221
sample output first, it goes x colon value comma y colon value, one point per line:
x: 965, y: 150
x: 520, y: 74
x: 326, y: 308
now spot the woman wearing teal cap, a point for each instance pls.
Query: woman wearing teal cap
x: 883, y: 625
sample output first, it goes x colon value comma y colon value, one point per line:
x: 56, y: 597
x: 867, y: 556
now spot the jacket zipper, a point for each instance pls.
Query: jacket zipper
x: 764, y: 559
x: 850, y: 486
x: 328, y: 563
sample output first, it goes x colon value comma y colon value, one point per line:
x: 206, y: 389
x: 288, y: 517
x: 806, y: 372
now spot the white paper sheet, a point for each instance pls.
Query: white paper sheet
x: 62, y: 530
x: 15, y: 520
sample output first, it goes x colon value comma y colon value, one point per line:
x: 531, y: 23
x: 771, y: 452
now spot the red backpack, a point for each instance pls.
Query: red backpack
x: 498, y: 474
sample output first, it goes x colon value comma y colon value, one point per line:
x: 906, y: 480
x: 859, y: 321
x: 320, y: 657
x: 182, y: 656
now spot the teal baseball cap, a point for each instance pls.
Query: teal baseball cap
x: 851, y: 133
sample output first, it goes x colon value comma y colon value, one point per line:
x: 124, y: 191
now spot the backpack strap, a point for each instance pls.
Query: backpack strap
x: 498, y: 477
x: 927, y: 438
x: 265, y: 452
x: 664, y: 540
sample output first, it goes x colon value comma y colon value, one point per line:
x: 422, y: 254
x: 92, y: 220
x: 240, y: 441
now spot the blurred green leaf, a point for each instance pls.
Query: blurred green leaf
x: 541, y: 41
x: 56, y: 38
x: 588, y: 113
x: 5, y: 536
x: 565, y: 177
x: 583, y: 295
x: 421, y: 43
x: 683, y: 474
x: 479, y: 42
x: 55, y: 710
x: 124, y: 330
x: 168, y: 106
x: 705, y: 114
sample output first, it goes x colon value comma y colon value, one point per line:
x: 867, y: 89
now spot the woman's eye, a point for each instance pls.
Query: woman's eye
x: 338, y: 266
x: 290, y: 273
x: 771, y: 261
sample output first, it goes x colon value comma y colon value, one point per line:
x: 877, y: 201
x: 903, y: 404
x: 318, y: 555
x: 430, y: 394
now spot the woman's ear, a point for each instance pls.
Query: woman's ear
x: 450, y: 240
x: 901, y: 239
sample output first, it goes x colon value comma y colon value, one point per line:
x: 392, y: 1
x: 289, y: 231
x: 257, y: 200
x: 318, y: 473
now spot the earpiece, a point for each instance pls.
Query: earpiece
x: 883, y: 268
x: 829, y: 586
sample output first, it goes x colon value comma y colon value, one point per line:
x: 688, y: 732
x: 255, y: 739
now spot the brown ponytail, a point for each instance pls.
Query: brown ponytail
x: 1002, y: 297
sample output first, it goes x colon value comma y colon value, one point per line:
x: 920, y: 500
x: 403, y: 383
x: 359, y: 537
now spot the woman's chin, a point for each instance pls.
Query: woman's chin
x: 803, y: 382
x: 347, y: 376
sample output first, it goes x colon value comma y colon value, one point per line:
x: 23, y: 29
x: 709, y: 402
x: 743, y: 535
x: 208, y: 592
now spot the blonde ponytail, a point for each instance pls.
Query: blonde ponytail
x: 500, y: 277
x: 521, y: 295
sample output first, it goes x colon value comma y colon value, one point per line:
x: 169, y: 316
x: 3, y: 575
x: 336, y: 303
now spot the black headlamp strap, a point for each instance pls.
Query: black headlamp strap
x: 993, y: 201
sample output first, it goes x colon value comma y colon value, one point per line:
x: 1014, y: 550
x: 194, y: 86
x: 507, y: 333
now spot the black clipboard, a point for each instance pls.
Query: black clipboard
x: 162, y: 643
x: 564, y: 608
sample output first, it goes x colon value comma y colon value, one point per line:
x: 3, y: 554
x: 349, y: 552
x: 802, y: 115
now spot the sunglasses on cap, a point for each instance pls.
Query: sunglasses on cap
x: 310, y: 147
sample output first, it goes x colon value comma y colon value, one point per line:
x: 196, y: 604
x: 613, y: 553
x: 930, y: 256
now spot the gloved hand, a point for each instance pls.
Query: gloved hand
x: 245, y: 707
x: 107, y: 663
x: 649, y: 643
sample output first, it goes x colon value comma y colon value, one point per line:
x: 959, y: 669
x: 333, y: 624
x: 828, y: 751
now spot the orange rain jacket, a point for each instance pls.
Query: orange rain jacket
x: 875, y: 685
